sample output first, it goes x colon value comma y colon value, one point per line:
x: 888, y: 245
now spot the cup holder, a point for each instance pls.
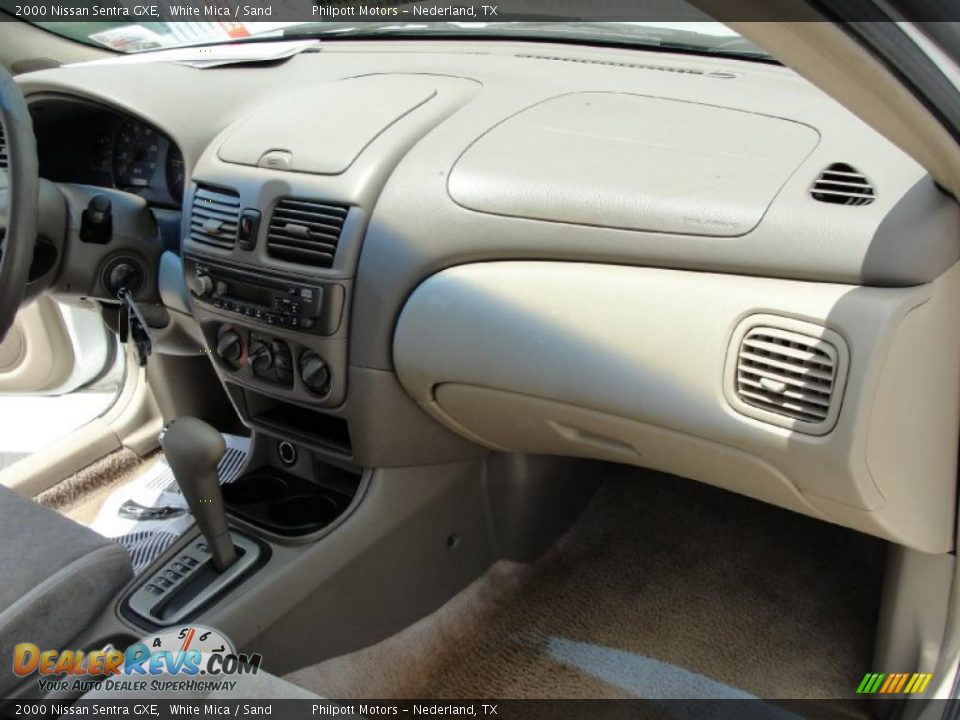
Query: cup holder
x: 301, y: 510
x: 288, y: 504
x: 254, y: 489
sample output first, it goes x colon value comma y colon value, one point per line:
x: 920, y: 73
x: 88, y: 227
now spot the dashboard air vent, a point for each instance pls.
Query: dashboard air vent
x: 3, y: 150
x: 843, y: 184
x: 214, y: 217
x: 789, y: 377
x: 306, y: 231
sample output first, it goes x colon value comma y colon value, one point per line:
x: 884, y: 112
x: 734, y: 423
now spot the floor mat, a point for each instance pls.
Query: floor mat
x: 147, y: 514
x: 663, y: 588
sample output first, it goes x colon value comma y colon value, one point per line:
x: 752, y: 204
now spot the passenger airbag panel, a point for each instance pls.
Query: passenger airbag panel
x: 634, y: 162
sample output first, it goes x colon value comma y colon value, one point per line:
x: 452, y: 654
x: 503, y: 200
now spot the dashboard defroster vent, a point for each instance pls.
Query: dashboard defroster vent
x: 306, y: 231
x: 678, y: 69
x: 4, y: 163
x: 214, y: 216
x: 842, y: 184
x: 789, y: 376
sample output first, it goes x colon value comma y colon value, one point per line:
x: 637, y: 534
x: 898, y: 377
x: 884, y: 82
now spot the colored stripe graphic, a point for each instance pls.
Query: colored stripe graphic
x: 891, y: 680
x: 894, y: 684
x: 870, y: 683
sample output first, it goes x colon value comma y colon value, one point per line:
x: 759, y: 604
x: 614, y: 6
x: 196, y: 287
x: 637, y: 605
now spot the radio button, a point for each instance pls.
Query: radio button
x: 202, y: 285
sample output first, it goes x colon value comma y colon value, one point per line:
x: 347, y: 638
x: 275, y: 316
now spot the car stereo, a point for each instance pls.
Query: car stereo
x: 273, y: 301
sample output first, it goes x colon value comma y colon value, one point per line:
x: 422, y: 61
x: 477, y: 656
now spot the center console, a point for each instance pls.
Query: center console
x: 274, y: 218
x: 275, y: 215
x: 287, y: 495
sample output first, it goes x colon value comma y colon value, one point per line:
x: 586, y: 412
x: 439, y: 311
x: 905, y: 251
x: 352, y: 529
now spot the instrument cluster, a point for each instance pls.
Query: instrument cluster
x: 80, y: 142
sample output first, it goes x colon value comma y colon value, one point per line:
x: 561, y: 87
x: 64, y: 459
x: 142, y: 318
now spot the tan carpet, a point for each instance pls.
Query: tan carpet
x: 663, y: 588
x: 81, y: 495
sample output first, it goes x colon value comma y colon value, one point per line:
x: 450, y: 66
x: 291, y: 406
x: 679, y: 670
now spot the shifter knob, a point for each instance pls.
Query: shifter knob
x: 193, y: 448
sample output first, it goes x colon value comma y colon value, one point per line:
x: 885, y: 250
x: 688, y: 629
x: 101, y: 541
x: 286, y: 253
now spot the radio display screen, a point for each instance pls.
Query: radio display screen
x: 250, y: 293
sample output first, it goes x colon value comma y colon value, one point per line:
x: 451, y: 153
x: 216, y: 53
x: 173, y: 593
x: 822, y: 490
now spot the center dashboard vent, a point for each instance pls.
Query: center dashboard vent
x: 306, y: 232
x: 214, y: 216
x: 842, y: 184
x: 788, y: 373
x: 4, y: 163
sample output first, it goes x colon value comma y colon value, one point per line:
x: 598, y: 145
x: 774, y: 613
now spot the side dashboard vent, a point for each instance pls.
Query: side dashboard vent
x: 215, y: 216
x: 842, y: 184
x: 788, y: 373
x: 4, y: 163
x: 306, y: 231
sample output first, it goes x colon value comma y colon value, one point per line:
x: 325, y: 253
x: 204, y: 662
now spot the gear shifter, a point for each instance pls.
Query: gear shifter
x: 193, y: 449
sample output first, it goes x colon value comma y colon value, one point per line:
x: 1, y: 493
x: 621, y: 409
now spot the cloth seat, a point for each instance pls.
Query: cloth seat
x: 57, y: 576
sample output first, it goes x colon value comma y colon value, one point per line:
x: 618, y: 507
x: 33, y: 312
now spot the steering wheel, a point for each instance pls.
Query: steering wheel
x: 19, y: 186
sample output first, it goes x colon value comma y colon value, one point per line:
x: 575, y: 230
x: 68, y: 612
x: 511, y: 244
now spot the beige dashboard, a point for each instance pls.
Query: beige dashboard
x: 635, y: 365
x: 700, y: 265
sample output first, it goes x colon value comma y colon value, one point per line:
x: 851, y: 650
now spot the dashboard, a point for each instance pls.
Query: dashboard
x: 90, y: 144
x: 409, y: 252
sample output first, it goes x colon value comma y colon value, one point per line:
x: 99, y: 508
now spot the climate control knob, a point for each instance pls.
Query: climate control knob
x: 282, y: 362
x: 261, y: 356
x: 230, y: 346
x: 314, y: 373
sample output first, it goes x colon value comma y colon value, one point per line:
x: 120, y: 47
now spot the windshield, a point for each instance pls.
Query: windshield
x: 699, y: 37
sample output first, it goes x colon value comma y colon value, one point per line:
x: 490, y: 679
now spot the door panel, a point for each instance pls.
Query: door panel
x: 53, y: 349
